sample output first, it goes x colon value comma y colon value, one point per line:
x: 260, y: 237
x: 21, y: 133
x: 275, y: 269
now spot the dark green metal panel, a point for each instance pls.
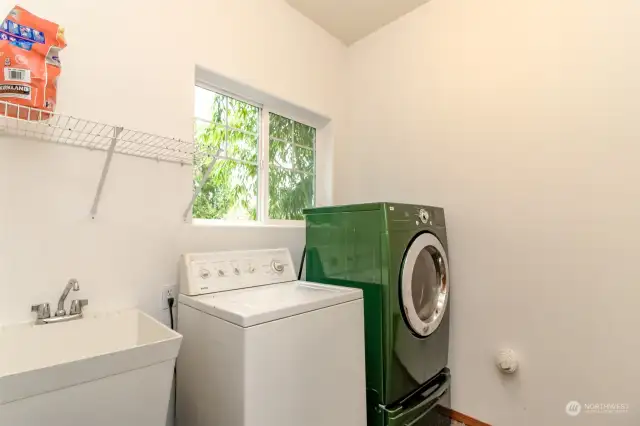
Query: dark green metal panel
x: 348, y: 246
x: 345, y: 209
x: 345, y: 250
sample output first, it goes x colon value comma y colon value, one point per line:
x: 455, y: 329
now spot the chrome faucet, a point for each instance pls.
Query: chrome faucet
x: 44, y: 312
x: 72, y: 284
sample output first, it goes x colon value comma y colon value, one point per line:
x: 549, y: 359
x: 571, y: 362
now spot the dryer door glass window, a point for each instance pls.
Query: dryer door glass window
x: 425, y: 282
x: 425, y: 287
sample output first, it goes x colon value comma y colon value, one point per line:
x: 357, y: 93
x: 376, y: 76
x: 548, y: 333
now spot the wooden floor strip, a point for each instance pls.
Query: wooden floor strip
x: 459, y: 417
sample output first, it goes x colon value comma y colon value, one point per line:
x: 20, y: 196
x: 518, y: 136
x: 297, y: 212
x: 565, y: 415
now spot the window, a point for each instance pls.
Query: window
x: 256, y: 165
x: 291, y: 167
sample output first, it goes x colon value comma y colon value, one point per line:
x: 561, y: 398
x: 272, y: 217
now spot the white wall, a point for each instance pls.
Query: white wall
x: 521, y: 119
x: 132, y: 63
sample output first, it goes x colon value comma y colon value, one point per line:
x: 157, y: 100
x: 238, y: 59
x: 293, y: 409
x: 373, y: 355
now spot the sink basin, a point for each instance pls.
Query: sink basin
x: 105, y: 369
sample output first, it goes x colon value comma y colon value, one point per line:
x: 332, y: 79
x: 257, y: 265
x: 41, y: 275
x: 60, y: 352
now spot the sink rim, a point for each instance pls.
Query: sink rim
x: 172, y: 336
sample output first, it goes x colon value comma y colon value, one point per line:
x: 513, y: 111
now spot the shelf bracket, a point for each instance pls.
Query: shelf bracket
x: 198, y: 190
x: 105, y: 171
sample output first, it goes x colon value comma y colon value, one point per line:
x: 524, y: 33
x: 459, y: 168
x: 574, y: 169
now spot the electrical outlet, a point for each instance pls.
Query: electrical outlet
x: 167, y: 292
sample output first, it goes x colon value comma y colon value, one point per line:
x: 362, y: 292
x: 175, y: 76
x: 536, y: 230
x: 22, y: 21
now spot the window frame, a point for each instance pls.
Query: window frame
x: 264, y: 140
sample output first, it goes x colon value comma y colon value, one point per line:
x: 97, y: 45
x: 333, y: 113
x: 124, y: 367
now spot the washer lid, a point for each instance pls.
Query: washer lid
x: 257, y: 305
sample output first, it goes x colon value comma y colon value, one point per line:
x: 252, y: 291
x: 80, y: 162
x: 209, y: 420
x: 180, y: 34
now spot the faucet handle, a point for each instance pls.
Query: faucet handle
x: 43, y: 310
x: 77, y: 305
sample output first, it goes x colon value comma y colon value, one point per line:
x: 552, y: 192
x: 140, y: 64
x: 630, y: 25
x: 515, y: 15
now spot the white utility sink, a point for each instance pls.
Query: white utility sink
x: 105, y: 369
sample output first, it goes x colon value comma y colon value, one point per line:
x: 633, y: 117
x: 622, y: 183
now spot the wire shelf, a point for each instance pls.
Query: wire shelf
x: 67, y: 130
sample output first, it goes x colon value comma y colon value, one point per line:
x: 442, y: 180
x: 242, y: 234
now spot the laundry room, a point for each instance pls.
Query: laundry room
x: 429, y: 202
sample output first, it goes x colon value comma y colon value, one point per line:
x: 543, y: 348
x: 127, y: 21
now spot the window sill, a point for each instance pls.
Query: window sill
x: 297, y: 224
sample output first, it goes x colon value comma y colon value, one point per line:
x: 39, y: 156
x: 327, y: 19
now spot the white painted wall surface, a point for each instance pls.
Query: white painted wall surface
x: 132, y: 63
x: 521, y: 119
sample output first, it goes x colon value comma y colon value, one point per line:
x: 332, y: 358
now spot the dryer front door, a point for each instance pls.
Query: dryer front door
x: 424, y: 285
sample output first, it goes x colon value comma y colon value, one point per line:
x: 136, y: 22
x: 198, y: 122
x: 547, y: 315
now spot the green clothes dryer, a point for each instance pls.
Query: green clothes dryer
x: 397, y: 254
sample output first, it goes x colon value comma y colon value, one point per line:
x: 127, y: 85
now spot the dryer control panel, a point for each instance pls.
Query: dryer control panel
x: 409, y: 217
x: 202, y: 273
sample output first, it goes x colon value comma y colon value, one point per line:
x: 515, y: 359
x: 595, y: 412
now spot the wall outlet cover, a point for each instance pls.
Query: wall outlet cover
x: 167, y: 292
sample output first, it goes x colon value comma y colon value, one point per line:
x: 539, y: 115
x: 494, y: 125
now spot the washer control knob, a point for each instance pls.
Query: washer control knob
x: 424, y: 215
x: 236, y: 271
x: 251, y: 269
x: 220, y: 273
x: 277, y: 267
x: 204, y: 273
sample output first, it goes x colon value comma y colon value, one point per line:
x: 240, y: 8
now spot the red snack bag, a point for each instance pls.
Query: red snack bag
x: 29, y: 55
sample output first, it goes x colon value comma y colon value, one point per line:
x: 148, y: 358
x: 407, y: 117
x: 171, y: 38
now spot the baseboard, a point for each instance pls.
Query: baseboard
x: 459, y: 417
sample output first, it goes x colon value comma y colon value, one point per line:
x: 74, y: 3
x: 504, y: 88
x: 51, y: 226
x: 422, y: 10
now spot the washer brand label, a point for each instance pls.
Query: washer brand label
x: 15, y: 91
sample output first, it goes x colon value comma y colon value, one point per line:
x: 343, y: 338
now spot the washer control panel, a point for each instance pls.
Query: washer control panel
x: 202, y: 273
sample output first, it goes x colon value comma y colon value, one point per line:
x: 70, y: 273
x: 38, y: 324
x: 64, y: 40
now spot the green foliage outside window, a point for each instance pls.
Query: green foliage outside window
x: 229, y: 130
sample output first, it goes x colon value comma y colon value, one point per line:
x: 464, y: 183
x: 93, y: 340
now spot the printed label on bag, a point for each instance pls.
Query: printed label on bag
x: 17, y: 74
x: 15, y: 91
x: 53, y: 57
x: 22, y: 31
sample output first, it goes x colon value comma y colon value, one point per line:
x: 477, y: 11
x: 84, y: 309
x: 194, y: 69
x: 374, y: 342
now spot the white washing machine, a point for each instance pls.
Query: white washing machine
x: 263, y: 349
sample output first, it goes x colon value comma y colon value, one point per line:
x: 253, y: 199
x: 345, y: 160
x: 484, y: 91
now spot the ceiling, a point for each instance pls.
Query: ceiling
x: 351, y: 20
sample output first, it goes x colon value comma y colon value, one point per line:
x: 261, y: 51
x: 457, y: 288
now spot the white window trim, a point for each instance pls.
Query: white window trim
x: 209, y: 80
x: 263, y: 167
